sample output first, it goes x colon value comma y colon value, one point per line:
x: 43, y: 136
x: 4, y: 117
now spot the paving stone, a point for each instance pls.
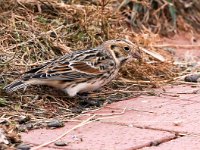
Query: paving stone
x: 102, y: 136
x: 147, y: 103
x: 160, y: 113
x: 183, y: 92
x: 143, y: 121
x: 40, y: 136
x: 182, y: 143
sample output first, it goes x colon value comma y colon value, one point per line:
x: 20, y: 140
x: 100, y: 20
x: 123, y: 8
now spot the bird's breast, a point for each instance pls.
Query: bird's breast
x: 91, y: 85
x: 83, y: 87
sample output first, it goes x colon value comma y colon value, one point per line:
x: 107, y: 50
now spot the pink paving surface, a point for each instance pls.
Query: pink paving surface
x: 168, y: 121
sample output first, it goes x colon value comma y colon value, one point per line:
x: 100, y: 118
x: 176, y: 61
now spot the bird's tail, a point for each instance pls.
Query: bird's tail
x: 15, y: 86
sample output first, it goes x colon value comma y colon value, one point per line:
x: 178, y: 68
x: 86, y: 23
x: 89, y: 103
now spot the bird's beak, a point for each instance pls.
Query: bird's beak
x: 136, y: 55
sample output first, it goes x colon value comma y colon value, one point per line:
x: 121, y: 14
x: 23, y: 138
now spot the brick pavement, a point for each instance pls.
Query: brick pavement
x: 167, y: 121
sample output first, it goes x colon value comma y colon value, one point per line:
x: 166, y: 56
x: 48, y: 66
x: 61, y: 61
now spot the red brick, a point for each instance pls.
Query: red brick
x: 40, y: 136
x: 101, y: 136
x: 183, y: 143
x: 160, y: 113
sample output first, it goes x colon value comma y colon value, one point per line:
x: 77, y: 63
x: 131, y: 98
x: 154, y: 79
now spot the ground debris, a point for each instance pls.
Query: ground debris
x: 3, y: 139
x: 60, y: 143
x: 9, y: 136
x: 23, y: 147
x: 23, y: 119
x: 193, y: 78
x: 55, y: 124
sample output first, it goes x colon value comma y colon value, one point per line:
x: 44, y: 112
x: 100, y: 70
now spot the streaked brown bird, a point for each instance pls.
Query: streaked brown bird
x: 80, y: 71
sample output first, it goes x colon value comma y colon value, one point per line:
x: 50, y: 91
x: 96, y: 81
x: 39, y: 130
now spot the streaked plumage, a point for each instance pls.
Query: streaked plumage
x: 80, y: 71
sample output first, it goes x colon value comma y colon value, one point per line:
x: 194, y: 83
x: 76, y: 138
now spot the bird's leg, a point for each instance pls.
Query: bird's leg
x: 86, y: 101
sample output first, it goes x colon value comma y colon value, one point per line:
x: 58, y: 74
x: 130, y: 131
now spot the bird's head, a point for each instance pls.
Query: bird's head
x: 122, y: 50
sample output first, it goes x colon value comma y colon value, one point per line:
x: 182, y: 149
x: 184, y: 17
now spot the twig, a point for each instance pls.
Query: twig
x: 188, y: 83
x: 111, y: 114
x: 174, y: 45
x: 75, y: 127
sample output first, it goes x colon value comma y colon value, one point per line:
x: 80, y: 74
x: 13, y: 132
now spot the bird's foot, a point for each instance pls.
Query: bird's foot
x: 86, y: 101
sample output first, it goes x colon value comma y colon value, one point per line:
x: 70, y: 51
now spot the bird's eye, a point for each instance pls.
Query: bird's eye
x: 126, y: 48
x: 112, y: 46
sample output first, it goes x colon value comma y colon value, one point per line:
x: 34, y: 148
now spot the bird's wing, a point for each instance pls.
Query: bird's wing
x: 35, y: 69
x: 68, y: 69
x: 84, y: 67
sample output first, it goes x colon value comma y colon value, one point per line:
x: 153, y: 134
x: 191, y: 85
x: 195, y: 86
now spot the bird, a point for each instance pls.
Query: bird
x: 80, y: 71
